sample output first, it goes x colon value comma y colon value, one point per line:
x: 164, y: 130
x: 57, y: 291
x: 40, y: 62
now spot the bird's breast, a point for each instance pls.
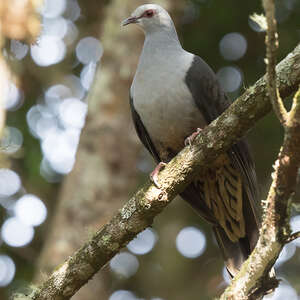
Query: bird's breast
x: 166, y: 108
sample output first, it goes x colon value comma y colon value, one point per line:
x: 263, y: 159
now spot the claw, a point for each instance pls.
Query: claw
x: 154, y: 173
x: 189, y: 140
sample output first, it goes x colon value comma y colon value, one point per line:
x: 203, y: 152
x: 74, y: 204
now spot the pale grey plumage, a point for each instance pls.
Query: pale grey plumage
x: 173, y: 93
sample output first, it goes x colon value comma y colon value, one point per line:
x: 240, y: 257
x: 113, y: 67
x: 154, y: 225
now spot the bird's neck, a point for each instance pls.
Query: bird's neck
x: 165, y: 39
x: 159, y: 48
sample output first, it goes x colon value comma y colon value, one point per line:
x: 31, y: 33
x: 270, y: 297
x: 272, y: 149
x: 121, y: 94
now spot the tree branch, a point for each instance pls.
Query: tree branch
x: 271, y: 46
x: 139, y: 211
x: 293, y: 237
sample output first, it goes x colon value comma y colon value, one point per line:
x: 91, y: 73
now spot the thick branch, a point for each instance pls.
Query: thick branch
x: 139, y: 211
x: 271, y: 46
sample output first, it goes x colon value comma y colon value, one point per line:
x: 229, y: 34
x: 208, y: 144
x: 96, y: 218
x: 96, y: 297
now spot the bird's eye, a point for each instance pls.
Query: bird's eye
x: 149, y: 13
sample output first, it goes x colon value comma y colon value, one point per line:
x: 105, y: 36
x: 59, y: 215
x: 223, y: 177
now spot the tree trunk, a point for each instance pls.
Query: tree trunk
x: 105, y: 170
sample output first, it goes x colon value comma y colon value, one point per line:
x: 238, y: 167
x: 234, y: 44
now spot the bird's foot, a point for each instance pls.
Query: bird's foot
x: 189, y: 140
x: 154, y: 173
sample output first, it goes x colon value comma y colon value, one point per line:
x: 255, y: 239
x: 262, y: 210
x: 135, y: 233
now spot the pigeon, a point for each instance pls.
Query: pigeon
x: 174, y: 94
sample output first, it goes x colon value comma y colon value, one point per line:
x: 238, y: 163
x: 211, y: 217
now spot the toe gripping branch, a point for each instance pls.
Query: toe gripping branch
x: 155, y: 172
x: 190, y: 139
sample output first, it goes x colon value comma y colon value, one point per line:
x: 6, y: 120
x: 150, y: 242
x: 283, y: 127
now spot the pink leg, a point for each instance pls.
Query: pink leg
x: 189, y: 140
x: 154, y: 173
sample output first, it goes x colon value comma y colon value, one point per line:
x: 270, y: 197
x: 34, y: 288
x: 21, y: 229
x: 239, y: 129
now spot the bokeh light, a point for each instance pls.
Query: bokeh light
x: 72, y: 112
x: 73, y: 10
x: 30, y: 210
x: 59, y: 148
x: 10, y: 182
x: 230, y: 78
x: 122, y: 295
x: 284, y: 291
x: 19, y: 49
x: 295, y: 227
x: 89, y: 49
x: 87, y: 75
x: 15, y: 233
x: 143, y: 243
x: 287, y: 253
x: 124, y: 264
x: 7, y: 270
x: 56, y: 115
x: 13, y: 99
x: 257, y: 22
x: 11, y: 141
x: 56, y: 93
x: 74, y: 84
x: 72, y: 33
x: 48, y: 51
x: 57, y: 27
x: 233, y: 46
x: 48, y: 173
x: 53, y: 8
x: 191, y: 242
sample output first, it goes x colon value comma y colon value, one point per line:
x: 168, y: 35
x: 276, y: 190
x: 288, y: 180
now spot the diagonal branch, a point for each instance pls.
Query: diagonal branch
x: 139, y: 211
x: 272, y: 45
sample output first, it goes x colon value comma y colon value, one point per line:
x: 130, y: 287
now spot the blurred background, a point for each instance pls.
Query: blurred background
x: 70, y: 156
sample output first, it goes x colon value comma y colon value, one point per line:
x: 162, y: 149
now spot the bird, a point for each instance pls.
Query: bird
x: 174, y: 94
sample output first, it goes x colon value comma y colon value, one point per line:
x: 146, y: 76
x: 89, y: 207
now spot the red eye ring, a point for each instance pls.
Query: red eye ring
x: 148, y: 13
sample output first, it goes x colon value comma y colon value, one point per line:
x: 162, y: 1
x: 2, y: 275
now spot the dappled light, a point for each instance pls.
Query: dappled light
x: 143, y: 243
x: 48, y: 103
x: 191, y: 242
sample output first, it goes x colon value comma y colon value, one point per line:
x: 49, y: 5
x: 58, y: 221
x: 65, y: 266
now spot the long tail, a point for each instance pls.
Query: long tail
x: 227, y: 198
x: 235, y: 253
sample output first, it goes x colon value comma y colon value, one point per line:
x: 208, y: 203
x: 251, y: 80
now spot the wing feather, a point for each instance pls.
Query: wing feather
x: 142, y: 131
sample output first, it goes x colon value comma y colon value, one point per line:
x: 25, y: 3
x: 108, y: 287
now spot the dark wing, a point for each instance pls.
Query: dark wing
x: 212, y: 101
x: 205, y: 89
x: 142, y: 132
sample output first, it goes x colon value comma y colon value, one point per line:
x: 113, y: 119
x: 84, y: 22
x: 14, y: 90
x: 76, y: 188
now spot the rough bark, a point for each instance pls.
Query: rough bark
x: 271, y: 46
x: 140, y: 210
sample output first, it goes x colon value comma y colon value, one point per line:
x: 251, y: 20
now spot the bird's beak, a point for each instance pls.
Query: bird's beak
x: 130, y: 20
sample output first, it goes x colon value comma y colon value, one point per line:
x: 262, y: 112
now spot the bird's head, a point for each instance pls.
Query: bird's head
x: 150, y: 17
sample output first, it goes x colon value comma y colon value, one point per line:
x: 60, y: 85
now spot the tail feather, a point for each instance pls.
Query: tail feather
x: 234, y: 253
x: 227, y: 198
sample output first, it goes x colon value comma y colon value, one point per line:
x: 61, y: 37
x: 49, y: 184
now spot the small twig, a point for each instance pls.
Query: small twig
x: 293, y: 237
x: 271, y: 46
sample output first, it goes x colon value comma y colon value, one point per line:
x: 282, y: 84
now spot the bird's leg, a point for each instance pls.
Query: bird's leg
x: 154, y: 173
x: 189, y: 140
